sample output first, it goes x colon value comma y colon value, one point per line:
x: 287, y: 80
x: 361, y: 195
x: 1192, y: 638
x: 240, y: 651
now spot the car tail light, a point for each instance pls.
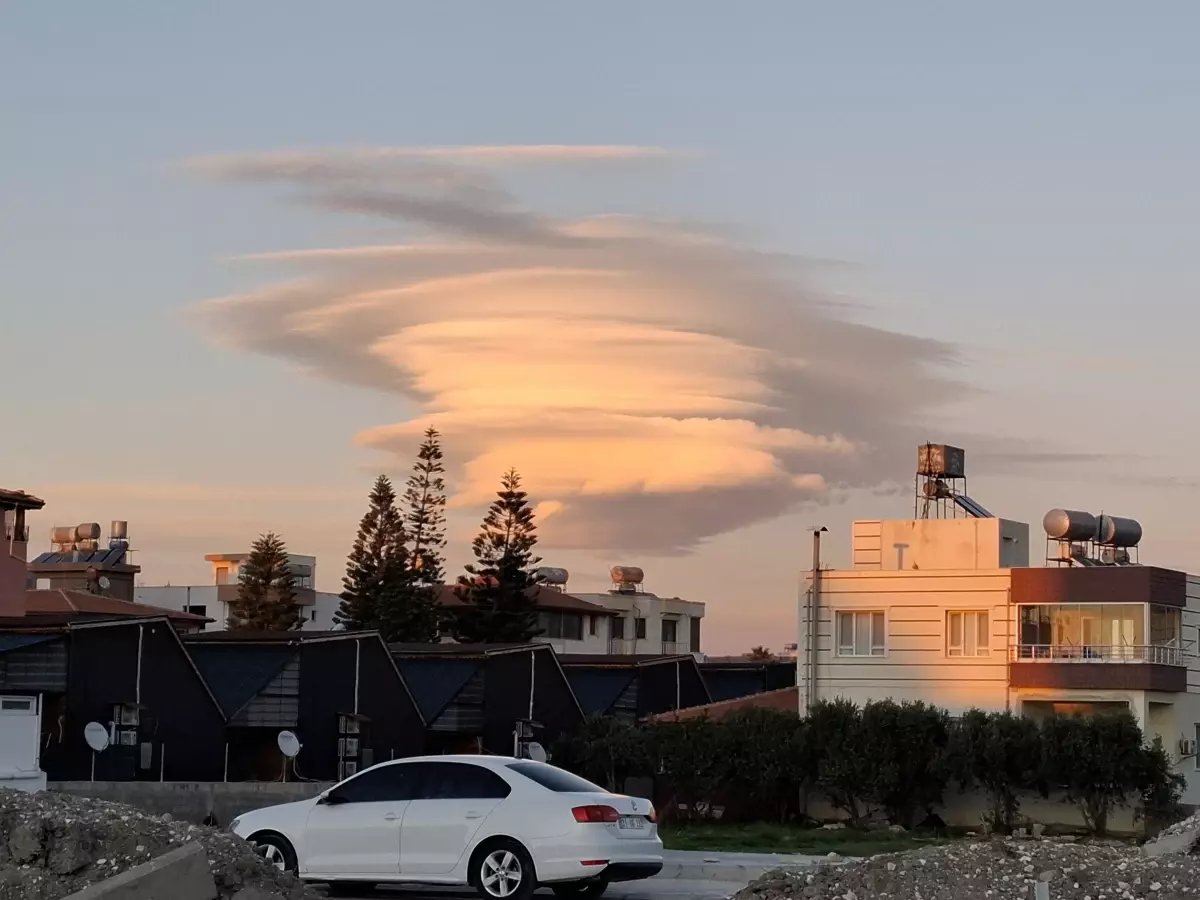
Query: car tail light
x: 652, y: 815
x: 593, y: 862
x: 595, y: 814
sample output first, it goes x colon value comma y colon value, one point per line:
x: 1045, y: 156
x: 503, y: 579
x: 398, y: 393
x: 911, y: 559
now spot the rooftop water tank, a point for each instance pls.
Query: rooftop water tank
x: 1070, y: 525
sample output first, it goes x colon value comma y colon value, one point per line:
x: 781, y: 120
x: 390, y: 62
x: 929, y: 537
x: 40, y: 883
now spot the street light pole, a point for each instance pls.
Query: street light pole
x: 810, y: 644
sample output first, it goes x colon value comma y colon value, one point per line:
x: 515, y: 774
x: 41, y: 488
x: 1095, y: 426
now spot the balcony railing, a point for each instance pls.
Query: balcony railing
x: 1157, y: 654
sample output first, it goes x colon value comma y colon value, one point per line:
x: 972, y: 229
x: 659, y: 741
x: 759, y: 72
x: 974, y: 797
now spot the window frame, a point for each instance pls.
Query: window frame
x: 959, y: 651
x: 850, y: 651
x: 674, y: 638
x: 639, y: 628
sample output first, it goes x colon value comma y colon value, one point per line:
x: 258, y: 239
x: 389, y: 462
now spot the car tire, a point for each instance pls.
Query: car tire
x: 503, y: 870
x: 276, y: 850
x: 592, y: 889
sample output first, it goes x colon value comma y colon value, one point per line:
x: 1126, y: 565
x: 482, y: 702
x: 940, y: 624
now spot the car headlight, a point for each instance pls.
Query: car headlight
x: 233, y: 826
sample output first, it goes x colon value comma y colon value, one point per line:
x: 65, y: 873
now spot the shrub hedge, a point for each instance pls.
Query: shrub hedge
x: 897, y: 760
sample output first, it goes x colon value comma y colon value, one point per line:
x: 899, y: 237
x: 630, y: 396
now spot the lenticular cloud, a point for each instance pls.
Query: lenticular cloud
x: 654, y: 383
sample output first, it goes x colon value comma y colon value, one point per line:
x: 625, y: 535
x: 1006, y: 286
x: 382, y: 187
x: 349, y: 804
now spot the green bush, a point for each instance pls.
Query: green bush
x: 897, y: 758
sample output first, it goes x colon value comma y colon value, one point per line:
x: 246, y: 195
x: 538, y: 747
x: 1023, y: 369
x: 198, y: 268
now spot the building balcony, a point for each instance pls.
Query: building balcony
x: 1156, y: 654
x: 1138, y: 667
x: 16, y: 533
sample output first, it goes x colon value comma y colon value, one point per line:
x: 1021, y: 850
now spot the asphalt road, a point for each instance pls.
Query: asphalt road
x: 650, y: 889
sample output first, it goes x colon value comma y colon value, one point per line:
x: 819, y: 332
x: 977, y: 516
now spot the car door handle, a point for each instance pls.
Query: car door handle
x: 473, y: 814
x: 390, y: 817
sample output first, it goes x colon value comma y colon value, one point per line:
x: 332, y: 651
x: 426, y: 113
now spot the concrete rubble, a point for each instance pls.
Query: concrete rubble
x: 1000, y: 869
x: 52, y: 846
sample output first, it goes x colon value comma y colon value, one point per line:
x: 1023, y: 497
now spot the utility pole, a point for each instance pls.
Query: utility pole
x: 814, y: 606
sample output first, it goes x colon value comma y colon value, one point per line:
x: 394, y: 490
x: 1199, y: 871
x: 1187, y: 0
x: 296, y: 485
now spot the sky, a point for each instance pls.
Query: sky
x: 705, y: 273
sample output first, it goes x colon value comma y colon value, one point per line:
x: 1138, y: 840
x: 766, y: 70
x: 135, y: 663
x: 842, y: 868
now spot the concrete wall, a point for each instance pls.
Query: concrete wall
x: 915, y: 664
x: 193, y: 801
x: 924, y: 544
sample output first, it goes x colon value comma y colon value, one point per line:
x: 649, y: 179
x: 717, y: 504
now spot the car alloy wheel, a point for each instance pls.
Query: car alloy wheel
x: 501, y: 873
x: 273, y: 855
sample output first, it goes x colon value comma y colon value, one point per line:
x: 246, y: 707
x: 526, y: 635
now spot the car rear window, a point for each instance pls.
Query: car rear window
x: 556, y: 780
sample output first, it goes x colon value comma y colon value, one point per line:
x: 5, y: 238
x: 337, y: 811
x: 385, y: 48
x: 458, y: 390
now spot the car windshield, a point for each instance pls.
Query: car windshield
x: 557, y: 780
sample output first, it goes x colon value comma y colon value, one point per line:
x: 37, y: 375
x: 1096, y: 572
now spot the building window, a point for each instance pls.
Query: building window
x: 1098, y: 631
x: 592, y: 625
x: 861, y: 634
x: 222, y: 574
x: 561, y: 625
x: 967, y: 633
x: 617, y: 629
x: 639, y: 629
x: 197, y: 610
x: 670, y: 631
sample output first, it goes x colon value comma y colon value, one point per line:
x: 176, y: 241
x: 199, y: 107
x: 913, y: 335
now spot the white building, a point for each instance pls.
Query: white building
x: 624, y: 621
x: 949, y: 611
x: 213, y: 599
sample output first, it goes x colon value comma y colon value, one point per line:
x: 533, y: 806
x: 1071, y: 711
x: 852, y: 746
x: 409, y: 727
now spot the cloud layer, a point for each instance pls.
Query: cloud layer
x: 655, y: 384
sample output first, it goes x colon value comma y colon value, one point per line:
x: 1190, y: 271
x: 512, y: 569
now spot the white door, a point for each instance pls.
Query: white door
x: 356, y: 830
x: 452, y: 801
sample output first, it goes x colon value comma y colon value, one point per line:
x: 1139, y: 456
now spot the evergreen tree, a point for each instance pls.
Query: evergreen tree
x: 425, y: 516
x: 266, y: 596
x: 499, y: 588
x: 375, y: 568
x: 414, y: 613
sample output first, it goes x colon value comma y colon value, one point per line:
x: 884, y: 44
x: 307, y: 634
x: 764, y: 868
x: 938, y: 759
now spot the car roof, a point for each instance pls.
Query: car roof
x: 491, y: 762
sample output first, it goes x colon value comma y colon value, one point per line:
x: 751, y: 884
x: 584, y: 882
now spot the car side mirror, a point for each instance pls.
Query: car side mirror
x: 331, y: 799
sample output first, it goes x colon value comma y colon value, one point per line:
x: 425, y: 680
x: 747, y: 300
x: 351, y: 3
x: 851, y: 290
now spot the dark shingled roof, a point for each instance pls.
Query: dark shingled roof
x: 596, y: 661
x: 19, y: 641
x: 598, y: 689
x: 436, y: 681
x: 271, y: 637
x: 235, y: 673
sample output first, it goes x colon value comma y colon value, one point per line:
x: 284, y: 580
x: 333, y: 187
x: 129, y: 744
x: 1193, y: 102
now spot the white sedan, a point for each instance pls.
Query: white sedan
x: 501, y: 825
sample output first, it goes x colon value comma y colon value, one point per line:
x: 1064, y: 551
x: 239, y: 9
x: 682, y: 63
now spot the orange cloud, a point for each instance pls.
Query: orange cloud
x: 655, y: 383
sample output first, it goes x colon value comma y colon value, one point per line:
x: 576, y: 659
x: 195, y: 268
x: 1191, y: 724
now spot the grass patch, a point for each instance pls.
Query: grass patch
x: 765, y: 837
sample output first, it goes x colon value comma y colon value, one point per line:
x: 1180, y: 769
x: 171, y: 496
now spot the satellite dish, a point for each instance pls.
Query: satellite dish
x: 537, y: 752
x: 105, y: 584
x: 96, y: 736
x: 289, y: 744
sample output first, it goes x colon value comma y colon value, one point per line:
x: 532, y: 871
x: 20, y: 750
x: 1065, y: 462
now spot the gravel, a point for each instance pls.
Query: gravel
x: 52, y: 845
x: 1191, y: 823
x: 992, y: 870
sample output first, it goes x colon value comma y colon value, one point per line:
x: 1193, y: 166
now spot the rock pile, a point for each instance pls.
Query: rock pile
x: 52, y: 845
x: 993, y: 870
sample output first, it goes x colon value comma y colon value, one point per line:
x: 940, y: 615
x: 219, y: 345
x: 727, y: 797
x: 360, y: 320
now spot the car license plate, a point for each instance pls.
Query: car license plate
x: 631, y: 823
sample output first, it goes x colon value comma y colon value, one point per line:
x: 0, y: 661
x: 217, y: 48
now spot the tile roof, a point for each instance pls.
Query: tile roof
x: 544, y: 597
x: 784, y: 700
x: 20, y: 499
x: 81, y: 603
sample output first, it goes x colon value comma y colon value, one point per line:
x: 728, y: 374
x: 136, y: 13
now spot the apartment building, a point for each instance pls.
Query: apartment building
x: 213, y: 599
x: 950, y: 611
x: 630, y: 621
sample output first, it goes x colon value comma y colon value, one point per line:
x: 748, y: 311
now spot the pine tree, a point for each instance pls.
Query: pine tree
x: 499, y: 588
x: 425, y: 516
x: 266, y: 596
x: 375, y: 568
x: 415, y: 614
